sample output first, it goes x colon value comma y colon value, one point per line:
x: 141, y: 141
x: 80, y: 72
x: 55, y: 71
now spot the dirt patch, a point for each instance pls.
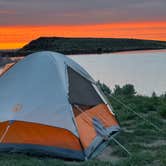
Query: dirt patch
x: 107, y: 155
x: 156, y: 143
x: 127, y: 130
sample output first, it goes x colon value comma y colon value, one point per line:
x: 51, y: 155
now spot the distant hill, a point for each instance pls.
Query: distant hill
x: 88, y: 45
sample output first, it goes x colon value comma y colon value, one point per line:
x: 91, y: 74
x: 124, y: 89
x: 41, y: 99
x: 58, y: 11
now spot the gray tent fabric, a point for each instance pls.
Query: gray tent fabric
x: 81, y: 90
x: 35, y: 90
x: 42, y: 88
x: 41, y: 83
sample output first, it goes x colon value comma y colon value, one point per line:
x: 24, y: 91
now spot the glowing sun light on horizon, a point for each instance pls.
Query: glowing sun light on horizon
x: 12, y: 37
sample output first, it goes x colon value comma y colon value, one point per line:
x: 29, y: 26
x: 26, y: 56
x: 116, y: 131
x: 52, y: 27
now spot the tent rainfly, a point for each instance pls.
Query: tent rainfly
x: 50, y: 105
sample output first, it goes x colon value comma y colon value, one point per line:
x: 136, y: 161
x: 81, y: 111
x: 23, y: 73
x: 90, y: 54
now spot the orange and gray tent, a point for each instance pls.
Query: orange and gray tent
x: 50, y: 105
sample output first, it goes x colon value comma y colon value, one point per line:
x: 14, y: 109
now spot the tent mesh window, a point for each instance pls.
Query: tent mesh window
x: 81, y: 91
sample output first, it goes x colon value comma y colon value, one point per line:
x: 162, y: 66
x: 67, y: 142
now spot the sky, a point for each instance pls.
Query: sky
x: 24, y: 20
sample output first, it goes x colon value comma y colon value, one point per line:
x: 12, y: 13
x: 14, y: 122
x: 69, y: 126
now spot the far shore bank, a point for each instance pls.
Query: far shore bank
x: 14, y: 53
x: 74, y: 46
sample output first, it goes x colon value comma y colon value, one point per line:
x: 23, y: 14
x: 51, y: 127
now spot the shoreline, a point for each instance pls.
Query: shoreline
x: 15, y: 53
x: 119, y: 52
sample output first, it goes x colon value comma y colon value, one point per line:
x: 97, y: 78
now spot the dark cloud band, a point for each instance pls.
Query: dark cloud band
x: 46, y: 12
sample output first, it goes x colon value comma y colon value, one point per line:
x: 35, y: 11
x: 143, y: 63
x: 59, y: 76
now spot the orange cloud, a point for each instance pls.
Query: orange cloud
x: 7, y: 12
x: 17, y: 36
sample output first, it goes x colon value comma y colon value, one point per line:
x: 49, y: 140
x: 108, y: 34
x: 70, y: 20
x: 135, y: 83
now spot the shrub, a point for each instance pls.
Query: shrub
x: 162, y: 111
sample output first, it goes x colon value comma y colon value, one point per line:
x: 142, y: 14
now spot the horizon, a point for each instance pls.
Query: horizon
x: 23, y: 21
x: 24, y: 44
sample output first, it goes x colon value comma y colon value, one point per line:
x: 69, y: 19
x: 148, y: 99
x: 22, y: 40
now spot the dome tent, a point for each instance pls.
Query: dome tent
x: 51, y: 105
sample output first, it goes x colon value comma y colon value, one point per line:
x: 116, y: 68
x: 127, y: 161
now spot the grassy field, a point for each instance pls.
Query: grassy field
x: 146, y: 144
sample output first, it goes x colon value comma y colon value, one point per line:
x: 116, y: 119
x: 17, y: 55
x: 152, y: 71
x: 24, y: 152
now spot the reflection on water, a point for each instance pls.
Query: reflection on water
x: 145, y: 69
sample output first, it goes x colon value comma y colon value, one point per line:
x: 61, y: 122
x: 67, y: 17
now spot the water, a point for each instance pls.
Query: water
x: 146, y: 70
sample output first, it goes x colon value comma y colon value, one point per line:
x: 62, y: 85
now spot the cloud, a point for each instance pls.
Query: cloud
x: 66, y: 12
x: 7, y: 12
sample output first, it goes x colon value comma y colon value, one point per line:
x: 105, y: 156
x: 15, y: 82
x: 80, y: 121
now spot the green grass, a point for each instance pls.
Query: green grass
x: 24, y: 160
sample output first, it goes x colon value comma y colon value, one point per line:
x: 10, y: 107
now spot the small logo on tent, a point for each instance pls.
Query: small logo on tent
x: 17, y: 108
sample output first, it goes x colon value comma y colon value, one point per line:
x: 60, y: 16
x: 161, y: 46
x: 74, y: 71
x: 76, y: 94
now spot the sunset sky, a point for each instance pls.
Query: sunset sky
x: 24, y: 20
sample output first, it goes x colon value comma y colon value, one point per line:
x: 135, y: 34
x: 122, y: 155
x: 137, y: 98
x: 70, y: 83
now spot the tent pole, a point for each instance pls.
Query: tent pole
x: 104, y: 98
x: 79, y: 139
x: 5, y: 132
